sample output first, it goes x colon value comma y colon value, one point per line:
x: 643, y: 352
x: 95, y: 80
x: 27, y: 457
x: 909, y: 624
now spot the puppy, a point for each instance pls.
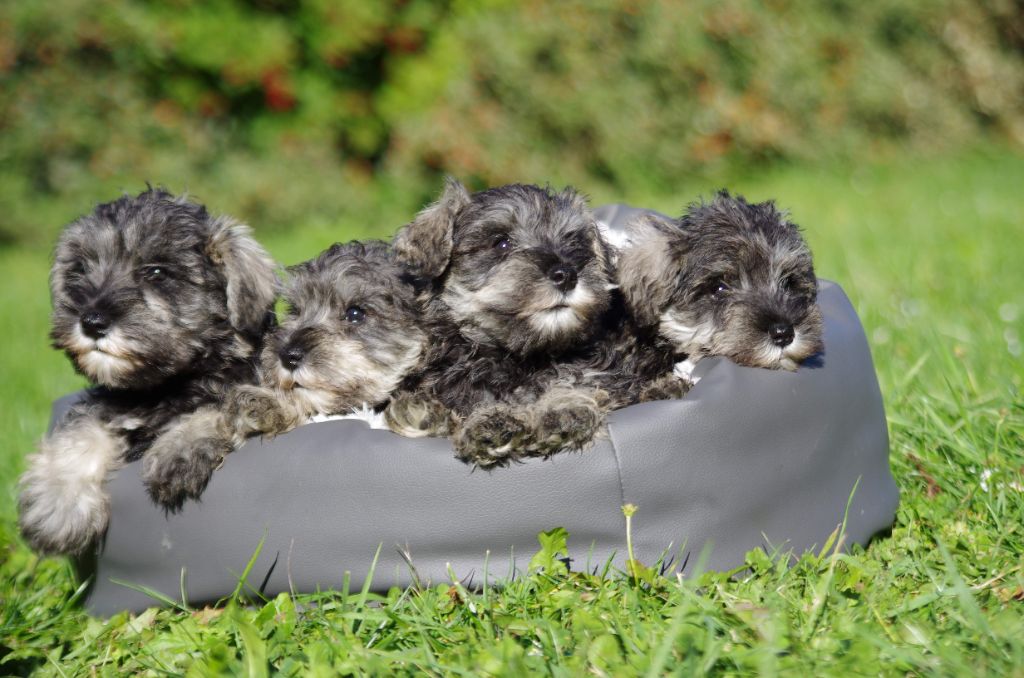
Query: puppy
x: 729, y: 278
x: 162, y: 307
x: 516, y: 281
x: 351, y: 336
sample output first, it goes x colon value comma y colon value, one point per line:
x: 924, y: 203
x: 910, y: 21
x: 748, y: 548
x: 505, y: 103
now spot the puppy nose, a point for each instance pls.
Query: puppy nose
x: 781, y: 333
x: 291, y: 356
x: 563, y: 275
x: 95, y: 324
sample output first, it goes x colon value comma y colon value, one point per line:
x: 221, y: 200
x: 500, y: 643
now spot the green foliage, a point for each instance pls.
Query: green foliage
x: 640, y: 93
x: 553, y: 552
x: 324, y: 110
x: 265, y: 110
x: 929, y: 254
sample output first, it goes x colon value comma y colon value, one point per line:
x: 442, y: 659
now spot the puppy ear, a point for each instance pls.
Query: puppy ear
x: 649, y: 267
x: 248, y: 272
x: 425, y: 245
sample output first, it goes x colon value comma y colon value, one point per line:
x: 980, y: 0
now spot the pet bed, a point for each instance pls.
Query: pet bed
x: 749, y: 459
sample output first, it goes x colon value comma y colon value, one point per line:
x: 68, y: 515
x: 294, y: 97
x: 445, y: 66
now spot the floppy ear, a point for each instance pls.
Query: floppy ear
x: 425, y: 244
x: 649, y: 267
x: 248, y: 272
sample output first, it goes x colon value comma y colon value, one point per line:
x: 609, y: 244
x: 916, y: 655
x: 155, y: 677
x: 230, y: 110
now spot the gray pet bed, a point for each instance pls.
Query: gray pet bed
x: 750, y: 458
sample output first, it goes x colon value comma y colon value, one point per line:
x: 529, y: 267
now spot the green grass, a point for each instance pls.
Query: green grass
x: 930, y: 251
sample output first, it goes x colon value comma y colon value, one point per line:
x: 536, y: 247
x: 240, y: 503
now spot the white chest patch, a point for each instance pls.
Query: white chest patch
x: 363, y: 413
x: 684, y: 370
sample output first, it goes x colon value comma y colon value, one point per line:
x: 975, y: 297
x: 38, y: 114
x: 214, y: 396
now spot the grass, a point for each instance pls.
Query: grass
x: 929, y: 251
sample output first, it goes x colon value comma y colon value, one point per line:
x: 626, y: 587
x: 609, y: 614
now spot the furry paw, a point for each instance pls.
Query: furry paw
x: 178, y: 467
x: 253, y: 410
x: 569, y: 426
x: 668, y: 387
x: 492, y: 436
x: 415, y: 417
x: 63, y: 507
x: 56, y: 521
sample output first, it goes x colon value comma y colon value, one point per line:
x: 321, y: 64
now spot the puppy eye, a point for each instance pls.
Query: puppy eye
x: 789, y: 283
x: 355, y: 315
x: 154, y: 273
x: 716, y: 289
x: 77, y: 267
x: 503, y: 243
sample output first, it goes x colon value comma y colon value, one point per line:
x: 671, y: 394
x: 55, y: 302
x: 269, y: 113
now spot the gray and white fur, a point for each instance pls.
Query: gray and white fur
x: 161, y: 306
x: 729, y: 278
x: 351, y: 336
x: 516, y: 281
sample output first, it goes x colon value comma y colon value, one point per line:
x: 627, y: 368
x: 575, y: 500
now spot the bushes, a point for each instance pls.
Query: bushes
x: 285, y: 110
x: 264, y: 110
x: 633, y: 93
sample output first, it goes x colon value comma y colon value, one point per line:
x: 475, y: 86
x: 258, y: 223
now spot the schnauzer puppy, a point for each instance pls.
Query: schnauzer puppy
x: 162, y: 307
x: 729, y: 278
x: 517, y: 281
x: 351, y: 336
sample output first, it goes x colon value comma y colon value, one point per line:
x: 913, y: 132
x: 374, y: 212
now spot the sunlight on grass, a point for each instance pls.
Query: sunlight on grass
x: 929, y: 252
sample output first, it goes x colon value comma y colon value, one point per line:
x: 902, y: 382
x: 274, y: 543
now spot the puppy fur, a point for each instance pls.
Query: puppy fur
x: 351, y: 336
x: 729, y: 278
x: 517, y: 281
x: 162, y: 307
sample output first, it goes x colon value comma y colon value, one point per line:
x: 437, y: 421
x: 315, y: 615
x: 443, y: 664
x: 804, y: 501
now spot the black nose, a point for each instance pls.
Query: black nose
x: 563, y: 275
x: 95, y: 324
x: 291, y: 356
x: 781, y: 333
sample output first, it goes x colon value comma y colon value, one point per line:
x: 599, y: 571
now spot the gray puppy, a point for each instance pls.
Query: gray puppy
x: 729, y: 278
x: 162, y: 307
x: 351, y: 336
x: 516, y: 282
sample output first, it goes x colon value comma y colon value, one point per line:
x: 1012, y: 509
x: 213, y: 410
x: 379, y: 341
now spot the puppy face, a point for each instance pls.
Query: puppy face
x: 352, y: 331
x: 521, y: 268
x: 730, y: 279
x: 146, y: 286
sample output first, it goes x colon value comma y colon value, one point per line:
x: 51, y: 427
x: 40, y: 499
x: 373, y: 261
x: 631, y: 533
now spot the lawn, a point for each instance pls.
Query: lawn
x: 929, y: 250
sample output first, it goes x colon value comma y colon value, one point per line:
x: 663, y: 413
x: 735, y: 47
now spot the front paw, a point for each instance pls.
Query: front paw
x: 254, y: 410
x: 569, y: 426
x: 175, y: 469
x: 668, y: 387
x: 492, y: 436
x: 58, y: 519
x: 63, y: 507
x: 416, y: 416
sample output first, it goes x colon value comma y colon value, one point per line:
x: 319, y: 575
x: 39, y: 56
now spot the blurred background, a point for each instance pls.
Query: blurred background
x: 320, y: 112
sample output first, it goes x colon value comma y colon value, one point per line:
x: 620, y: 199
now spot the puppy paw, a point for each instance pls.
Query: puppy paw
x: 253, y: 410
x: 492, y: 436
x: 668, y: 387
x: 415, y: 417
x: 567, y: 427
x: 63, y: 507
x: 57, y: 520
x: 177, y: 467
